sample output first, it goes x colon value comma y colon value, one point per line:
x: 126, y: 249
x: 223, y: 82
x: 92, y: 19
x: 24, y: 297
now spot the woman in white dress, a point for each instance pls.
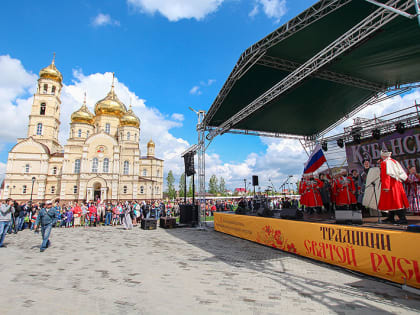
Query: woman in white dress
x: 127, y: 222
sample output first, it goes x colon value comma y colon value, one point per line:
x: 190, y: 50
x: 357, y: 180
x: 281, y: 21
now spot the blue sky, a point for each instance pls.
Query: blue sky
x: 167, y: 55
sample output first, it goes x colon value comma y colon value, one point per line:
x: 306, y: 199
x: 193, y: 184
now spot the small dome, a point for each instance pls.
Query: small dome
x: 82, y: 115
x: 51, y: 72
x: 130, y: 119
x: 151, y: 143
x: 110, y: 105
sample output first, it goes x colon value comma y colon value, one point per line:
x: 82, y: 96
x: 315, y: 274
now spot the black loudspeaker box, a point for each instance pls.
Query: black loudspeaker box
x: 188, y: 214
x: 148, y: 224
x: 189, y: 164
x: 254, y: 180
x: 291, y: 214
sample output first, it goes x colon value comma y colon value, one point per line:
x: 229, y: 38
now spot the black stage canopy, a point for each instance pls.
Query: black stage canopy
x: 318, y: 68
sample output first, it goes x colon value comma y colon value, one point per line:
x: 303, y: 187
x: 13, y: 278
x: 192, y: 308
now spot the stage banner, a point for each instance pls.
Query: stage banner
x: 391, y: 255
x: 405, y: 148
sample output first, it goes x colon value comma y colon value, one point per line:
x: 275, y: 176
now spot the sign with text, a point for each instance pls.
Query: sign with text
x: 391, y: 255
x: 405, y: 148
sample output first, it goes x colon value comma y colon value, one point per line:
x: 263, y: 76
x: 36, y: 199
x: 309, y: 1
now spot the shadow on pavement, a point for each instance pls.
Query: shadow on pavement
x: 245, y: 254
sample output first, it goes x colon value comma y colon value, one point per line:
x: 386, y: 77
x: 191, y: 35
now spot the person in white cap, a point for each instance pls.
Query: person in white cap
x: 393, y: 197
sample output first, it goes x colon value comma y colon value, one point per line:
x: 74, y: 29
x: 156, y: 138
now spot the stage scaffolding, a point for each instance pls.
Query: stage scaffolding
x: 321, y: 66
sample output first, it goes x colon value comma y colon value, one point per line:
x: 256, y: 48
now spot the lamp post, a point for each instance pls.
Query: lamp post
x: 32, y: 190
x: 245, y: 187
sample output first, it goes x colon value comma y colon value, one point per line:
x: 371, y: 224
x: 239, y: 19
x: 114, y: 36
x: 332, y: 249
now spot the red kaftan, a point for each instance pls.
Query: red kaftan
x: 392, y: 196
x: 311, y: 193
x: 344, y: 190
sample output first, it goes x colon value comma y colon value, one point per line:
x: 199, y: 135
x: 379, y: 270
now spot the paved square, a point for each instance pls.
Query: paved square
x: 107, y: 270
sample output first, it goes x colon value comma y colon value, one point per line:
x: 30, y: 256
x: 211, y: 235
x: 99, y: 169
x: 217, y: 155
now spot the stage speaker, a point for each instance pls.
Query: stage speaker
x: 348, y: 216
x: 254, y: 180
x: 188, y: 214
x: 189, y: 164
x: 265, y: 212
x: 291, y: 214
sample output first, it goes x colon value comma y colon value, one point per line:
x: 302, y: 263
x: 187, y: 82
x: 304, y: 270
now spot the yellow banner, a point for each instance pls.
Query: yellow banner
x: 391, y: 255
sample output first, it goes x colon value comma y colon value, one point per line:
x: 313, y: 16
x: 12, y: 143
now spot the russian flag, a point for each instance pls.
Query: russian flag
x: 315, y: 161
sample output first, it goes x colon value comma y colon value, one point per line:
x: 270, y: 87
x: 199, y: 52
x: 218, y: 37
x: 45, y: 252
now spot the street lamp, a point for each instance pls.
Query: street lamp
x: 32, y: 190
x: 245, y: 187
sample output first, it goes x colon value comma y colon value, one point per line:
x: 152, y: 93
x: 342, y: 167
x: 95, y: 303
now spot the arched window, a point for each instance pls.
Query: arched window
x: 54, y: 170
x: 144, y: 172
x: 95, y: 165
x: 45, y: 88
x: 79, y: 133
x: 107, y: 128
x: 53, y: 189
x: 24, y: 189
x: 53, y: 89
x: 42, y: 109
x: 106, y: 165
x: 27, y: 168
x: 128, y: 135
x: 87, y: 134
x: 74, y: 189
x: 135, y: 137
x: 157, y: 189
x: 141, y: 189
x: 77, y: 166
x: 126, y: 167
x: 39, y: 129
x: 157, y: 173
x: 124, y: 189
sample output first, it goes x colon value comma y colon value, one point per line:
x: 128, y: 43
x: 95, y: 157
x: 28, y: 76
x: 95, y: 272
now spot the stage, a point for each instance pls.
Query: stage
x: 381, y: 250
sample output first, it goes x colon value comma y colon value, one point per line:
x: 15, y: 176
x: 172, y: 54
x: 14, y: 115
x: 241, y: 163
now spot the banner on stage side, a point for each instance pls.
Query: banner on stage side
x: 391, y: 255
x: 405, y: 148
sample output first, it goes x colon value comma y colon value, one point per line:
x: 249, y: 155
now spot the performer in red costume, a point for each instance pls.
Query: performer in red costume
x: 344, y: 190
x: 311, y: 193
x: 393, y: 197
x: 302, y: 192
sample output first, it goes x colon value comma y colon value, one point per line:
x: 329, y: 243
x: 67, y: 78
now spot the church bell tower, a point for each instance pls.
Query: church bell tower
x: 44, y: 120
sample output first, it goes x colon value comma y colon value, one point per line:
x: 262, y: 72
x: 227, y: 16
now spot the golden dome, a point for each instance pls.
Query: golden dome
x: 151, y: 143
x: 82, y: 115
x: 51, y: 72
x: 130, y: 119
x: 110, y: 105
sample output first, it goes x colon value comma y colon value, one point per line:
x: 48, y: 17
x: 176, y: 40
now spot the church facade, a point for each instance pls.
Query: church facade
x: 101, y: 159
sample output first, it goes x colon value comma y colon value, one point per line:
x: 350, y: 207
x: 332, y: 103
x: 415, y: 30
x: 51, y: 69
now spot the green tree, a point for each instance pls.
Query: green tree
x: 222, y: 186
x: 182, y: 185
x: 213, y: 187
x: 190, y: 188
x: 170, y: 180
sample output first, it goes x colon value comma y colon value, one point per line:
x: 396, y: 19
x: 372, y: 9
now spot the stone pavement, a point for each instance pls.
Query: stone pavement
x: 108, y: 270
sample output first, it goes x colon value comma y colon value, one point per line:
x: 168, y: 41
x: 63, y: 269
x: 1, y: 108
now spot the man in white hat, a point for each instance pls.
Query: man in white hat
x: 46, y: 218
x: 344, y: 190
x: 393, y: 197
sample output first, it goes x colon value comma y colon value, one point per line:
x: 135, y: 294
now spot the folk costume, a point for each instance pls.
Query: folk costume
x: 393, y: 197
x: 312, y: 197
x: 344, y: 191
x: 412, y: 186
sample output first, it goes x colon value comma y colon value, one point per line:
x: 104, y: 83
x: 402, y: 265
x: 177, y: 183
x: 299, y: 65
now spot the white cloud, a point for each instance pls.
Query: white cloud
x: 195, y: 90
x: 103, y: 20
x: 177, y: 116
x: 175, y: 10
x: 274, y: 9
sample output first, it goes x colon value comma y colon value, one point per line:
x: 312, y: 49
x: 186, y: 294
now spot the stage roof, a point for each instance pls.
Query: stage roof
x: 388, y: 57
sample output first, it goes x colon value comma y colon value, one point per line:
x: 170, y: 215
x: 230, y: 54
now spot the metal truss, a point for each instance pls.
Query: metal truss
x: 262, y: 134
x: 366, y: 27
x: 256, y: 51
x: 380, y: 97
x: 201, y: 155
x: 290, y: 66
x: 384, y: 126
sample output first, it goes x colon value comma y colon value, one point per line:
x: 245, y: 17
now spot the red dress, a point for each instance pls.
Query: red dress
x: 344, y: 191
x: 311, y: 193
x: 392, y: 196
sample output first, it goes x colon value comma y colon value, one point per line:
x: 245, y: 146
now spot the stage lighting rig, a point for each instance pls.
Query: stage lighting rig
x: 356, y: 138
x: 376, y: 134
x: 400, y: 127
x: 340, y: 143
x: 324, y: 146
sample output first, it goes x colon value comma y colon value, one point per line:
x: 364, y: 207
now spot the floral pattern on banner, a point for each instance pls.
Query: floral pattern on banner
x: 275, y: 238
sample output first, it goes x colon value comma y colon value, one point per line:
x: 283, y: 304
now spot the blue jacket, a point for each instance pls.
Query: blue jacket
x: 46, y: 216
